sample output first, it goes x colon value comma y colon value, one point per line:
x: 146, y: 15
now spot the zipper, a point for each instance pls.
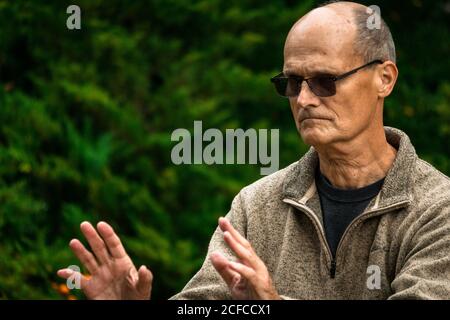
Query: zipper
x: 321, y: 231
x: 333, y: 269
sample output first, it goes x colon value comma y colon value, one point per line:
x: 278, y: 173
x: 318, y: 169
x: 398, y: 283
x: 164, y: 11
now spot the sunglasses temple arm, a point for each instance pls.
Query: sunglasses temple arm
x: 356, y: 70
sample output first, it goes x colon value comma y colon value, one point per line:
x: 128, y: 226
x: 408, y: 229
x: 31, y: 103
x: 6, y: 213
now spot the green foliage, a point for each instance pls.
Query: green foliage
x: 86, y: 118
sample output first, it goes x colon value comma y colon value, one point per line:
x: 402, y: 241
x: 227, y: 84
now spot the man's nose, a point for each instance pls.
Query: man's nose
x: 306, y: 97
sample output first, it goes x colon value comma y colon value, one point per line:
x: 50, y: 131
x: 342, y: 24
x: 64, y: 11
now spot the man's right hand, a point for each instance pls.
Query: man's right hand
x: 112, y: 273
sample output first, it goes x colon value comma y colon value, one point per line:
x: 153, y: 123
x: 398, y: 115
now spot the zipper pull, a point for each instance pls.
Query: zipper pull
x: 333, y: 269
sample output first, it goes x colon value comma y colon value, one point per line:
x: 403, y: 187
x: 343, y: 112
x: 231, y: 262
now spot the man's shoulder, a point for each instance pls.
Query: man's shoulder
x: 431, y: 187
x: 429, y: 179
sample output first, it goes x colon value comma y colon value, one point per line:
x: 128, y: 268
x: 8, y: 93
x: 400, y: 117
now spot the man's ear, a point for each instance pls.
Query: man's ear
x: 387, y: 76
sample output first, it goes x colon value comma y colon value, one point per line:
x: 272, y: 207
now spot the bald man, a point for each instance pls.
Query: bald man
x: 359, y: 216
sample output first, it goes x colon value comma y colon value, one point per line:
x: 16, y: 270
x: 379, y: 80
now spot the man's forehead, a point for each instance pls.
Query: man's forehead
x: 323, y: 37
x: 310, y: 67
x: 311, y: 57
x: 319, y: 38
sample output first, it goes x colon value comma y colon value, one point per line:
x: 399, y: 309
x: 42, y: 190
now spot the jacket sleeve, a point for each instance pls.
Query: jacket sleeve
x: 207, y: 283
x: 425, y: 274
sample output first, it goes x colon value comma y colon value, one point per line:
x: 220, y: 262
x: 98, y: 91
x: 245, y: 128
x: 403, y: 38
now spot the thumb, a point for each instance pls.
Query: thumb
x: 144, y: 283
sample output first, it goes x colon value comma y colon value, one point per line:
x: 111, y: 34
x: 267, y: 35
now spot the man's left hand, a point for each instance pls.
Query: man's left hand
x: 247, y: 279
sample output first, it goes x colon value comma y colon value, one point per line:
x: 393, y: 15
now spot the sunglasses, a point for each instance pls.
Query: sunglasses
x: 321, y: 85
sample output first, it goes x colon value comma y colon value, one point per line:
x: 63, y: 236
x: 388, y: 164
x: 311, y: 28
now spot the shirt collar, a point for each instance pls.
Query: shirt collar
x: 397, y: 184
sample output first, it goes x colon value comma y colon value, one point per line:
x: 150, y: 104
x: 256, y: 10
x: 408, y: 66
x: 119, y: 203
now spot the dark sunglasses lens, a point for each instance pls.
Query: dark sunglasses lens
x: 293, y: 87
x: 322, y: 86
x: 287, y: 87
x: 280, y: 85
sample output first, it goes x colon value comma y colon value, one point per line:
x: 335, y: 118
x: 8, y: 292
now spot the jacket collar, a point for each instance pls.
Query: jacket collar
x: 397, y: 185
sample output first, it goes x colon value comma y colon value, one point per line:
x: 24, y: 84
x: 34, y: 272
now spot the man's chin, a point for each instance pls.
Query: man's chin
x: 313, y: 136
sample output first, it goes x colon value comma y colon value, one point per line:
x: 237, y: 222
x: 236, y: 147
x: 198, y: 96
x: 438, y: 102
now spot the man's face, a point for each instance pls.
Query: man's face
x: 322, y: 43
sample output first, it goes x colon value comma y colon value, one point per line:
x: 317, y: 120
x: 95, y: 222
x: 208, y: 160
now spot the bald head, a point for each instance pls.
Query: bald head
x: 344, y: 27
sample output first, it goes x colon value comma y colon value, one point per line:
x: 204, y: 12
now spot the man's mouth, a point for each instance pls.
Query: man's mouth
x: 301, y: 119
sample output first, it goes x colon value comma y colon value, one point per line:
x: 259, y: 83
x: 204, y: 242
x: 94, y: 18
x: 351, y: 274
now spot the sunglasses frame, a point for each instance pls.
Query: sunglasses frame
x: 333, y: 78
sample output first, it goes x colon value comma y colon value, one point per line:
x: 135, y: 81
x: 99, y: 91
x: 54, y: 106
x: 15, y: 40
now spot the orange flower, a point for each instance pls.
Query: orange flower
x: 71, y: 297
x: 63, y: 288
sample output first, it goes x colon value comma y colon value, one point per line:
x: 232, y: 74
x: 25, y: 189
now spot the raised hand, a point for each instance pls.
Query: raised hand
x: 112, y: 273
x: 249, y: 278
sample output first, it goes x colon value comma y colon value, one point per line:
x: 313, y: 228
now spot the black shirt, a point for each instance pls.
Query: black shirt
x: 341, y: 206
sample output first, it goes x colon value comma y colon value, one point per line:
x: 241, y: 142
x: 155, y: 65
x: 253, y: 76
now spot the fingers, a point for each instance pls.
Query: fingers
x: 73, y: 275
x: 246, y: 255
x: 95, y: 242
x: 242, y: 253
x: 111, y: 239
x: 240, y: 245
x: 64, y: 273
x: 141, y: 281
x: 144, y: 284
x: 221, y: 264
x: 85, y: 257
x: 246, y: 272
x: 261, y: 283
x: 132, y: 277
x: 225, y: 225
x: 252, y: 272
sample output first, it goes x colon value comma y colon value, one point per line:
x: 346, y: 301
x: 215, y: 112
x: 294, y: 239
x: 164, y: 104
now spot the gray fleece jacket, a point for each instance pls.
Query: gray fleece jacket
x: 398, y: 248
